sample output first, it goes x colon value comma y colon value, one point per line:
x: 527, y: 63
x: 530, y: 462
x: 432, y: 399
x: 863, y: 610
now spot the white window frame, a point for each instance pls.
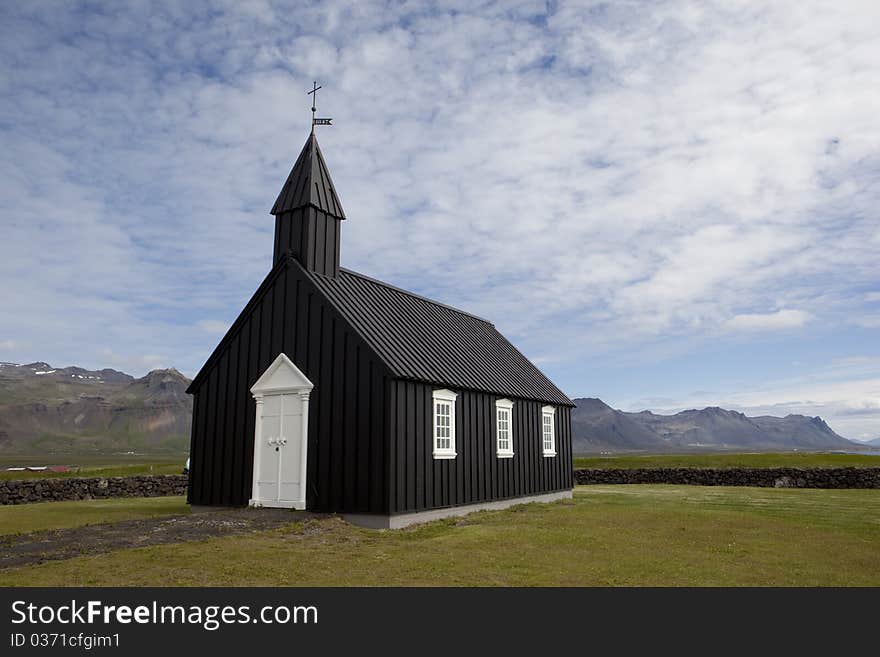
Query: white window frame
x: 504, y: 406
x: 443, y: 397
x: 548, y: 412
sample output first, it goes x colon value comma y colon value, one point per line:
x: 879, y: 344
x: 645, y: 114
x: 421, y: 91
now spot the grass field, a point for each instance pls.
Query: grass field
x: 725, y: 460
x: 93, y: 465
x: 607, y: 535
x: 22, y: 518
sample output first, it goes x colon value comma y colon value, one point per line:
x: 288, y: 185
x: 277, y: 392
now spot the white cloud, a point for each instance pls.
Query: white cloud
x: 8, y: 345
x: 602, y: 178
x: 134, y: 362
x: 867, y: 321
x: 844, y: 394
x: 213, y: 326
x: 781, y: 319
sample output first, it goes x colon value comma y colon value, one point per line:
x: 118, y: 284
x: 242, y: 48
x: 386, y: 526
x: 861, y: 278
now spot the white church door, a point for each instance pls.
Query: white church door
x: 281, y: 436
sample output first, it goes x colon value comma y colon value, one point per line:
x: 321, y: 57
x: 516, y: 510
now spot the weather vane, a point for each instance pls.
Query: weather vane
x: 314, y: 94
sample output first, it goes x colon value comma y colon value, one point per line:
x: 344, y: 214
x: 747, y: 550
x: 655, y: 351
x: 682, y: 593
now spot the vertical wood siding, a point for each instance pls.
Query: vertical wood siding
x: 312, y: 236
x: 419, y: 482
x: 347, y: 460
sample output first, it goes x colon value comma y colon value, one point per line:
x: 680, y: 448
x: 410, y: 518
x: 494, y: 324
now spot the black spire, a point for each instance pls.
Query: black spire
x: 309, y: 183
x: 308, y: 214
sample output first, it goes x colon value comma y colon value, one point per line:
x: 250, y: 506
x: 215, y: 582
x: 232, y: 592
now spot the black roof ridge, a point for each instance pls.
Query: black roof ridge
x: 291, y: 259
x: 283, y: 263
x: 403, y: 353
x: 413, y: 294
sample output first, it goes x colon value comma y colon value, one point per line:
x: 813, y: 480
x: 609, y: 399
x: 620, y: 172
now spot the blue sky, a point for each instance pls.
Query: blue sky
x: 665, y: 204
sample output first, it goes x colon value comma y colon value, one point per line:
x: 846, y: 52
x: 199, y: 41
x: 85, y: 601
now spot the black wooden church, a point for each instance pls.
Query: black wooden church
x: 336, y: 392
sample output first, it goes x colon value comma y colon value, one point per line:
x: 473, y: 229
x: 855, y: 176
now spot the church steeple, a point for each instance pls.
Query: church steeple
x: 308, y: 214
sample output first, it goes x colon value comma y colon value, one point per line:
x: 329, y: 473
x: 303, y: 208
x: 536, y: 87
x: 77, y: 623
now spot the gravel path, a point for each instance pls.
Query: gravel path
x: 54, y: 544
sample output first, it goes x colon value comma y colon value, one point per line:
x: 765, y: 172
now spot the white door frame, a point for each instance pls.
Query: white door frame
x: 281, y: 377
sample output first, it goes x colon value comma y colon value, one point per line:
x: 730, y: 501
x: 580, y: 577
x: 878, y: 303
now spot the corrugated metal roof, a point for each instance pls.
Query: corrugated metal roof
x: 309, y: 183
x: 428, y: 341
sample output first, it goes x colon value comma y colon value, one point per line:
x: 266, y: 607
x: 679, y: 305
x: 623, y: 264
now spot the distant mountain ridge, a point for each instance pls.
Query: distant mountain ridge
x: 49, y: 409
x: 598, y: 427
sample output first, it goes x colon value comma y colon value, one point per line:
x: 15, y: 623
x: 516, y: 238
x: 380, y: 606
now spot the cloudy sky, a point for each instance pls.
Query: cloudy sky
x: 664, y: 204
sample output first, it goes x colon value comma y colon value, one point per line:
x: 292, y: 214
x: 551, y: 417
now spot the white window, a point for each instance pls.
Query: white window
x: 548, y: 430
x: 444, y: 424
x: 504, y: 428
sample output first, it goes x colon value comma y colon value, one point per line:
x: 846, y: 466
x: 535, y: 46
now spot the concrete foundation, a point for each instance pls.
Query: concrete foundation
x: 398, y: 521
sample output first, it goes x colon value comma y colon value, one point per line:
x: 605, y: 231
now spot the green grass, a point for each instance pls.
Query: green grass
x: 607, y: 535
x: 23, y: 518
x: 94, y: 466
x: 726, y: 460
x: 122, y: 439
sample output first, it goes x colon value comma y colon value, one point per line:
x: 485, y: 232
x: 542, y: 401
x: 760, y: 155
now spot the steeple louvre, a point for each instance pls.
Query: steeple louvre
x: 308, y: 214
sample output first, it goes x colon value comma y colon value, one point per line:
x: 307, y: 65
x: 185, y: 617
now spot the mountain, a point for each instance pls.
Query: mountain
x: 873, y: 443
x: 71, y: 409
x: 802, y: 432
x: 598, y: 427
x: 43, y: 408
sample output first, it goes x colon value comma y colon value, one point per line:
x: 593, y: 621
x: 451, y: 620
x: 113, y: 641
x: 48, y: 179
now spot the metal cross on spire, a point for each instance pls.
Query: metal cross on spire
x: 314, y: 94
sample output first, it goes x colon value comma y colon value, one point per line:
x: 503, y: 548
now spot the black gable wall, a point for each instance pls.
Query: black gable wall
x: 347, y: 455
x: 419, y: 482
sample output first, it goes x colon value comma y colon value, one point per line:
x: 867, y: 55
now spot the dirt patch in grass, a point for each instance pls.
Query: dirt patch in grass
x: 56, y: 544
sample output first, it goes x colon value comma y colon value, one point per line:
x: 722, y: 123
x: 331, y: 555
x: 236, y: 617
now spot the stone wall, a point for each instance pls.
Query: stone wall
x: 763, y: 477
x: 24, y: 491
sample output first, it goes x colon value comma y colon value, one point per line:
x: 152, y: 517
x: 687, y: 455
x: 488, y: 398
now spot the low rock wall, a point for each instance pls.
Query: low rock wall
x: 762, y: 477
x: 24, y: 491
